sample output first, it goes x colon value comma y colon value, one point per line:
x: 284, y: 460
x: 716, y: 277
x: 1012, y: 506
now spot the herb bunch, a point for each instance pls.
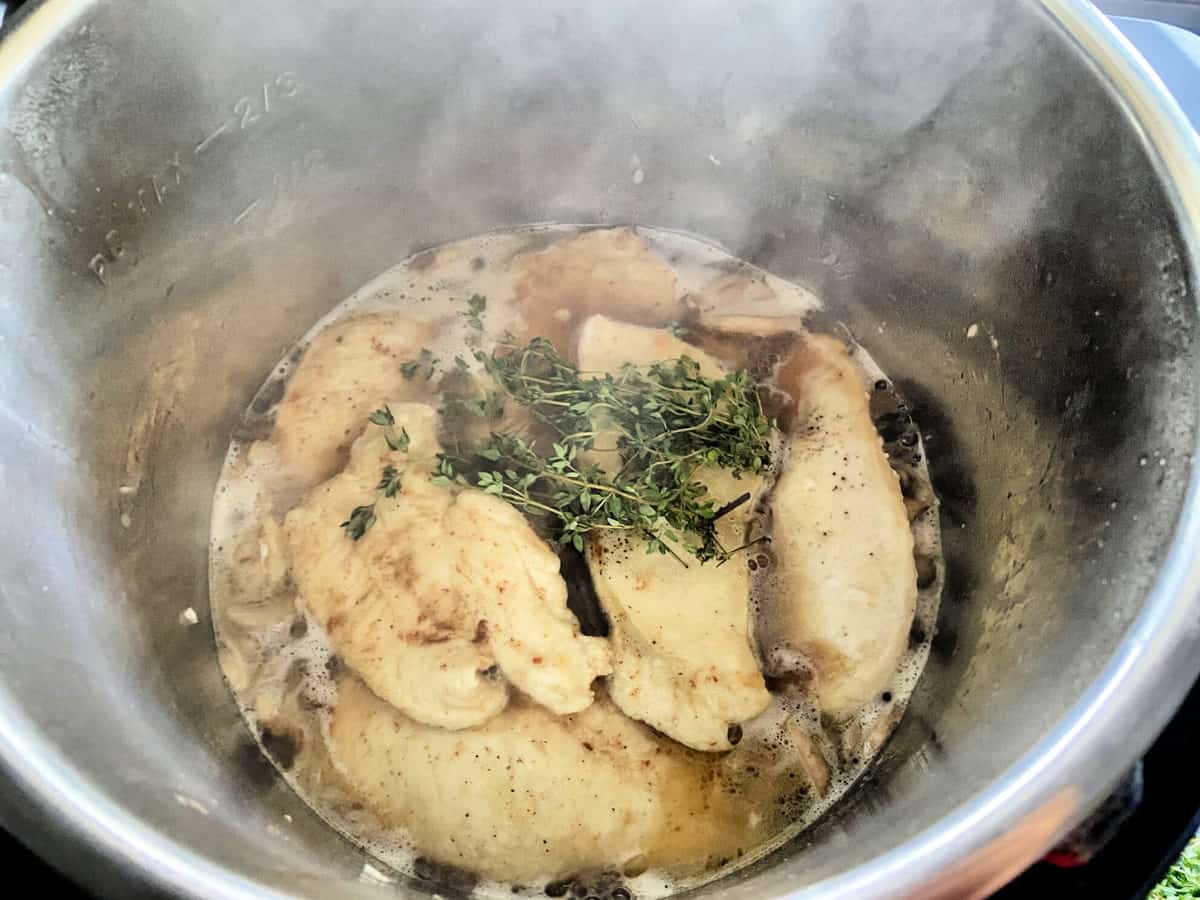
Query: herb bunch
x: 669, y: 420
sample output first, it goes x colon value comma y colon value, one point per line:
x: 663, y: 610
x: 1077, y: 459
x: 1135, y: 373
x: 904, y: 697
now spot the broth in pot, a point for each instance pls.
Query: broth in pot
x: 574, y: 559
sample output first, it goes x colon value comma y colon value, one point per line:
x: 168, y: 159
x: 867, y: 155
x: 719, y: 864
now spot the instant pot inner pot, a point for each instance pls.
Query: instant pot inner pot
x: 186, y: 187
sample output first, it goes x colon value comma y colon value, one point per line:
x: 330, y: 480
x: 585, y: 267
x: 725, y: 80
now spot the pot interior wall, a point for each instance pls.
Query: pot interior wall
x: 186, y: 187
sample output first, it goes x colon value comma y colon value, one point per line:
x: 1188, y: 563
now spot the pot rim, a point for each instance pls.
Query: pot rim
x: 974, y: 850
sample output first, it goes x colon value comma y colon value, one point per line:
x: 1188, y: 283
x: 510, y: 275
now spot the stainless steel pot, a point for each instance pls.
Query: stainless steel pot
x: 186, y: 186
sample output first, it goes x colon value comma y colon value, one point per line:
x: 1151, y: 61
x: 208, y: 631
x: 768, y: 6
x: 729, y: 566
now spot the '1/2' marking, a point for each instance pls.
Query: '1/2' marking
x: 286, y: 184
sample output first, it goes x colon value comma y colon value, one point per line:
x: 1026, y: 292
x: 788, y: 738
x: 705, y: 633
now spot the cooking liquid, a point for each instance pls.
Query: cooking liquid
x: 283, y: 670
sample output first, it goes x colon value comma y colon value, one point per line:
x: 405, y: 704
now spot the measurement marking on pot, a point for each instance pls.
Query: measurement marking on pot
x: 184, y: 800
x: 245, y: 109
x: 247, y: 113
x: 175, y: 168
x: 285, y: 184
x: 245, y: 212
x: 204, y: 144
x: 155, y: 188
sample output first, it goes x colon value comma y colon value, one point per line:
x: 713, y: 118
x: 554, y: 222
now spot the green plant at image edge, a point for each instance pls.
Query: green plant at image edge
x: 1183, y: 880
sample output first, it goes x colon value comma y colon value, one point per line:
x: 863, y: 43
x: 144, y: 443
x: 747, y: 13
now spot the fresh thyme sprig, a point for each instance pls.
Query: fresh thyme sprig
x: 398, y: 442
x: 384, y: 419
x: 476, y: 304
x: 423, y: 365
x: 363, y: 517
x: 669, y: 421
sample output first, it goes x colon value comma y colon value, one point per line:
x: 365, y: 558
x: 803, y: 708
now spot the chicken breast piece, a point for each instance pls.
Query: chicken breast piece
x: 445, y: 585
x: 682, y: 658
x: 844, y: 588
x: 529, y: 794
x: 744, y: 302
x: 747, y: 319
x: 605, y: 344
x: 556, y: 289
x: 344, y: 374
x: 522, y: 604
